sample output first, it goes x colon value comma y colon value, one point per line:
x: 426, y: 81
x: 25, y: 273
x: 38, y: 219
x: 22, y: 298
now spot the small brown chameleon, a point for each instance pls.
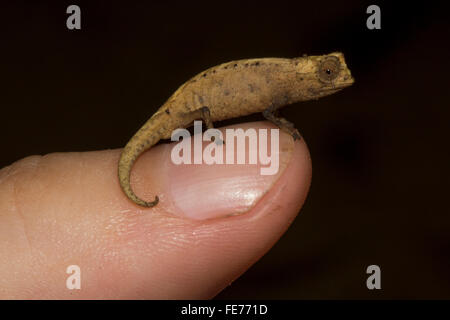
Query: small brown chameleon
x: 235, y: 89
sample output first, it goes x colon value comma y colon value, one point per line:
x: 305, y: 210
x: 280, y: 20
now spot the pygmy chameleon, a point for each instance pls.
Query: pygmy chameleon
x: 235, y: 89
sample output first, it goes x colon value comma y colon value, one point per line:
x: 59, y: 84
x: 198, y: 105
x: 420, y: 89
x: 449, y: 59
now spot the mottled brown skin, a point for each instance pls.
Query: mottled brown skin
x: 235, y: 89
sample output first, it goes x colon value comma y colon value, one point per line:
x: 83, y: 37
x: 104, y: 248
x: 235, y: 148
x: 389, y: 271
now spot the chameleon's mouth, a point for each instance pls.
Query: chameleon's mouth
x: 347, y: 82
x: 340, y: 85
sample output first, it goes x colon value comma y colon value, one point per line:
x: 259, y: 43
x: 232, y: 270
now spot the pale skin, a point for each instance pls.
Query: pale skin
x: 235, y: 89
x: 51, y: 217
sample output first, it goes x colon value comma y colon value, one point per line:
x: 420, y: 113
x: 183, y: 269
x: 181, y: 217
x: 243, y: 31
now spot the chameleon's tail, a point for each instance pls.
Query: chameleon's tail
x: 129, y: 155
x: 125, y: 165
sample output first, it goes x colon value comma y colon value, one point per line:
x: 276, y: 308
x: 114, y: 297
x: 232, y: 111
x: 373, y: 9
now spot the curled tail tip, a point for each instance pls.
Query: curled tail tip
x: 143, y: 203
x: 124, y: 168
x: 152, y: 203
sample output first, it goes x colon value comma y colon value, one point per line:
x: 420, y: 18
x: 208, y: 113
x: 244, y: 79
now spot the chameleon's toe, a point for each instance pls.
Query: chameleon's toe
x: 296, y: 135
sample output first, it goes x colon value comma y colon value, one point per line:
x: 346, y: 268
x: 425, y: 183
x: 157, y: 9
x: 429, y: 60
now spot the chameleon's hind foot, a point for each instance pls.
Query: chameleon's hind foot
x: 218, y: 141
x: 204, y: 113
x: 296, y: 135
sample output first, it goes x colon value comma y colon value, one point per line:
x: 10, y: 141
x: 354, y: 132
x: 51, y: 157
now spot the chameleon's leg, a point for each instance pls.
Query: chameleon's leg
x: 280, y: 122
x: 204, y: 114
x: 201, y: 113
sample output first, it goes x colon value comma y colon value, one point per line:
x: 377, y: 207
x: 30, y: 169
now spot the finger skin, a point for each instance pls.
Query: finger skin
x: 67, y: 209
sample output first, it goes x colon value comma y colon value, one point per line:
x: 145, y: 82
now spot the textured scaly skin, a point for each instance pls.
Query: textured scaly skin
x: 235, y: 89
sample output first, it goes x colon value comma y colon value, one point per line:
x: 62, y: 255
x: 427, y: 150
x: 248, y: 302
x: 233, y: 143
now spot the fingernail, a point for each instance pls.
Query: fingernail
x: 202, y: 191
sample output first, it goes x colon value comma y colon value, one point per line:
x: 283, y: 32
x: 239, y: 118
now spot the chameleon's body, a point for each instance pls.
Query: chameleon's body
x: 235, y: 89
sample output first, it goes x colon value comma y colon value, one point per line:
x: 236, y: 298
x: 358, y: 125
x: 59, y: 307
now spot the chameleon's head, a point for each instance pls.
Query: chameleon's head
x: 324, y: 75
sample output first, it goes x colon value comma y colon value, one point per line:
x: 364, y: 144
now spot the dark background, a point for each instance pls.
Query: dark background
x: 380, y: 148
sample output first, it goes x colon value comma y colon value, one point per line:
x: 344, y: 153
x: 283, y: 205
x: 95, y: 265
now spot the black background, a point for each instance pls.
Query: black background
x: 380, y: 148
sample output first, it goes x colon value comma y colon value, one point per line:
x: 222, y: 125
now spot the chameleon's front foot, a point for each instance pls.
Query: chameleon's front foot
x: 281, y: 123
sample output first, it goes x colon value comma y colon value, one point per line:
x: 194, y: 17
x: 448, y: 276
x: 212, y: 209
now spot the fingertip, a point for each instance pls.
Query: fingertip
x: 82, y: 216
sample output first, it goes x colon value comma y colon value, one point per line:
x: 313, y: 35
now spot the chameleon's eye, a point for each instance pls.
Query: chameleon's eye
x: 329, y: 69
